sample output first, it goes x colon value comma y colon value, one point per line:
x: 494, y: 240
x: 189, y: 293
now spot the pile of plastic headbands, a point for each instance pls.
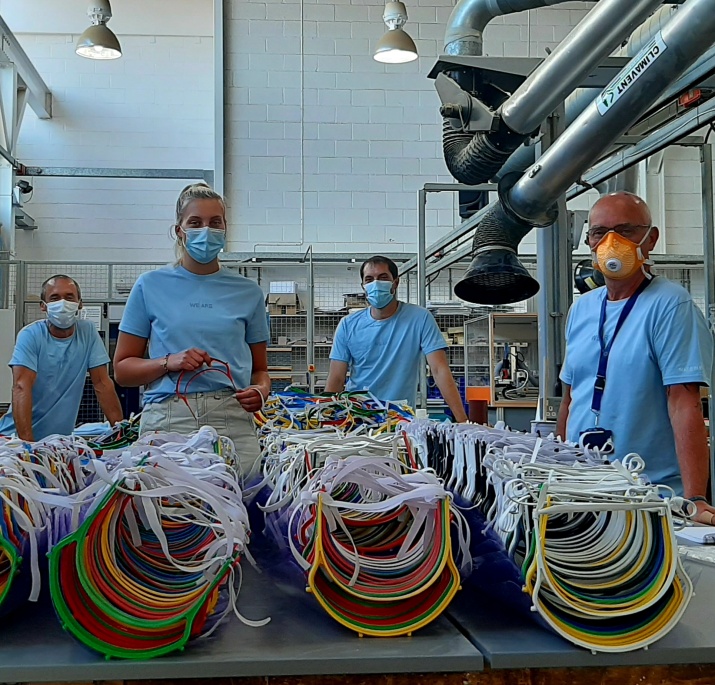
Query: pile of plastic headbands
x: 37, y: 482
x: 122, y: 434
x: 144, y: 543
x: 375, y: 537
x: 594, y: 540
x: 344, y: 412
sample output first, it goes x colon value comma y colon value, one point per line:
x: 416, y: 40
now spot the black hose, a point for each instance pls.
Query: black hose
x: 477, y: 158
x: 500, y: 227
x: 496, y: 276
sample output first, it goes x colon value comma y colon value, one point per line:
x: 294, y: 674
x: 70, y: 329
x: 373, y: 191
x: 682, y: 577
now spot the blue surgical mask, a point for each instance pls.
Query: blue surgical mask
x: 379, y: 293
x: 62, y: 313
x: 204, y: 244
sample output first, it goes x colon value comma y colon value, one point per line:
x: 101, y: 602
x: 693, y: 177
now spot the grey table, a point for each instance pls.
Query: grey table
x: 300, y: 640
x: 514, y: 641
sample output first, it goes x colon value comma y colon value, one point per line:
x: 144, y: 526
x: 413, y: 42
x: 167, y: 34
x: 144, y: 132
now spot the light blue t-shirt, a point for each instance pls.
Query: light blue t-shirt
x: 664, y: 341
x: 61, y: 365
x: 385, y: 356
x: 222, y: 313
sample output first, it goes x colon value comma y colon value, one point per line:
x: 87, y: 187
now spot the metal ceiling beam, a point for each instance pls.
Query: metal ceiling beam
x: 676, y: 131
x: 250, y: 259
x: 39, y: 96
x: 96, y: 172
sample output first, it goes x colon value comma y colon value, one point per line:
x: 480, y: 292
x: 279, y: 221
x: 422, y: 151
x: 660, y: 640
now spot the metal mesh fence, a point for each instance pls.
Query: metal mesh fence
x: 8, y: 284
x: 100, y: 283
x: 692, y: 278
x: 477, y: 357
x: 336, y: 289
x: 123, y: 277
x: 93, y: 279
x: 89, y: 409
x: 287, y: 300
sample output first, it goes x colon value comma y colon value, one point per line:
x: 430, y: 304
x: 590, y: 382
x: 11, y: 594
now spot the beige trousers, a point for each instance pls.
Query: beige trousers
x: 218, y: 409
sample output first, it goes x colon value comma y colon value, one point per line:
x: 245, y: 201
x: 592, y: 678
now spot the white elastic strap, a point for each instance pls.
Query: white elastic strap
x: 260, y: 394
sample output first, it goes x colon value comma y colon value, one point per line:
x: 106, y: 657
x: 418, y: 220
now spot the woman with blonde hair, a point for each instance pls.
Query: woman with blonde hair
x: 206, y: 333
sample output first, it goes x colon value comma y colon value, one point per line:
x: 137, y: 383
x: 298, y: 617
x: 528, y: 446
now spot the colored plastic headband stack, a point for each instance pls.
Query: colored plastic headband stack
x: 604, y: 571
x: 37, y: 482
x: 376, y: 544
x: 155, y: 562
x: 595, y: 541
x: 345, y: 412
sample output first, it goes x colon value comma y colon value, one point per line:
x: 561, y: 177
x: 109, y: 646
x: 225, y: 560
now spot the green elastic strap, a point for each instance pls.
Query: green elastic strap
x: 11, y: 553
x: 70, y: 623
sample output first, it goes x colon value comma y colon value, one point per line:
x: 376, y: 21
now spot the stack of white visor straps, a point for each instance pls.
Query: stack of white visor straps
x: 594, y: 540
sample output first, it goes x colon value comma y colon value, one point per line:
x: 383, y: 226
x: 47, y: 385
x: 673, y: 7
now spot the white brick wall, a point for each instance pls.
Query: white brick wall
x: 683, y: 204
x: 153, y: 108
x: 370, y: 134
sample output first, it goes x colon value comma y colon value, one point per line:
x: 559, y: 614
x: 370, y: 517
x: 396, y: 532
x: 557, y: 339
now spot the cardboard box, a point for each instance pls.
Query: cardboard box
x: 355, y: 300
x: 280, y: 287
x: 285, y: 304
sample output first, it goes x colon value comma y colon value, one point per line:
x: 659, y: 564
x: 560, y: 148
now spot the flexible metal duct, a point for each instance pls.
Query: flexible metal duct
x: 474, y: 159
x: 575, y: 103
x: 530, y: 201
x: 464, y: 35
x: 469, y: 18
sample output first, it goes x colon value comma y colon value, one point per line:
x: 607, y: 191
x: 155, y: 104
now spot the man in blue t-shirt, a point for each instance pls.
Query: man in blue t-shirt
x: 50, y: 364
x: 647, y: 400
x: 384, y: 345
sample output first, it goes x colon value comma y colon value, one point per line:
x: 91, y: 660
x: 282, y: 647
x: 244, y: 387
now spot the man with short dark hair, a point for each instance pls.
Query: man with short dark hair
x: 384, y: 345
x: 50, y: 364
x: 637, y: 352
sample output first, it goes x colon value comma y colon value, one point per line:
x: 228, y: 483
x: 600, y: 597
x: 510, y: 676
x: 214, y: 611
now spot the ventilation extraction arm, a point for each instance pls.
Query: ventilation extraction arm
x: 469, y: 18
x: 496, y: 276
x: 524, y: 157
x: 474, y: 158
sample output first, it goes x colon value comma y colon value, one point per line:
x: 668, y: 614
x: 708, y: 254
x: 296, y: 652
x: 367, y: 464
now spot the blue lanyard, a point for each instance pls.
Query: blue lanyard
x: 600, y: 384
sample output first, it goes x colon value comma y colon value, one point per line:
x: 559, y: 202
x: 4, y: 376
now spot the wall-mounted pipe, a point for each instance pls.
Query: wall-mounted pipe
x: 530, y: 201
x: 464, y: 35
x: 524, y: 157
x: 465, y: 29
x: 474, y: 159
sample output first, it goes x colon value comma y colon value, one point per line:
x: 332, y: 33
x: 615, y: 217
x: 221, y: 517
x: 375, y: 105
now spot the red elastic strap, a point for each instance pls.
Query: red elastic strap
x: 183, y: 396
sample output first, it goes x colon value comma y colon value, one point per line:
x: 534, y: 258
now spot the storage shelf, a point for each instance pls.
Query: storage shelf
x: 317, y: 315
x: 302, y: 346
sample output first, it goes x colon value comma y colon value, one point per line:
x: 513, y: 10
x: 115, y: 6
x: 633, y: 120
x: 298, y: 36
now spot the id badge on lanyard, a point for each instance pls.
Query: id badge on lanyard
x: 598, y: 436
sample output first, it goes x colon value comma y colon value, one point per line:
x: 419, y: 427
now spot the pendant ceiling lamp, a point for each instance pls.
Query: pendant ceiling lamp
x: 396, y: 46
x: 99, y: 41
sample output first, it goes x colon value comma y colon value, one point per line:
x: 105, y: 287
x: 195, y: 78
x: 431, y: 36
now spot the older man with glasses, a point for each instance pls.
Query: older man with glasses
x: 637, y: 352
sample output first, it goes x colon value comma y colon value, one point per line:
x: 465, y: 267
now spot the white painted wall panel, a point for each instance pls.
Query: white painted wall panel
x: 370, y: 134
x: 153, y: 108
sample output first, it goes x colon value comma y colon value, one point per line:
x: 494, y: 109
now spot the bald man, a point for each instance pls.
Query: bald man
x: 637, y: 352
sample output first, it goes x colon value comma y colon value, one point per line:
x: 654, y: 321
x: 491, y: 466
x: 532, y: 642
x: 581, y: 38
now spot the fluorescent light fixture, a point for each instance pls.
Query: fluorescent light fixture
x: 99, y: 41
x: 396, y: 46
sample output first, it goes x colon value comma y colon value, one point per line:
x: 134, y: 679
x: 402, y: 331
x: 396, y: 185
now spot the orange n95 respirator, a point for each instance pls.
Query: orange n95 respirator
x: 617, y: 257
